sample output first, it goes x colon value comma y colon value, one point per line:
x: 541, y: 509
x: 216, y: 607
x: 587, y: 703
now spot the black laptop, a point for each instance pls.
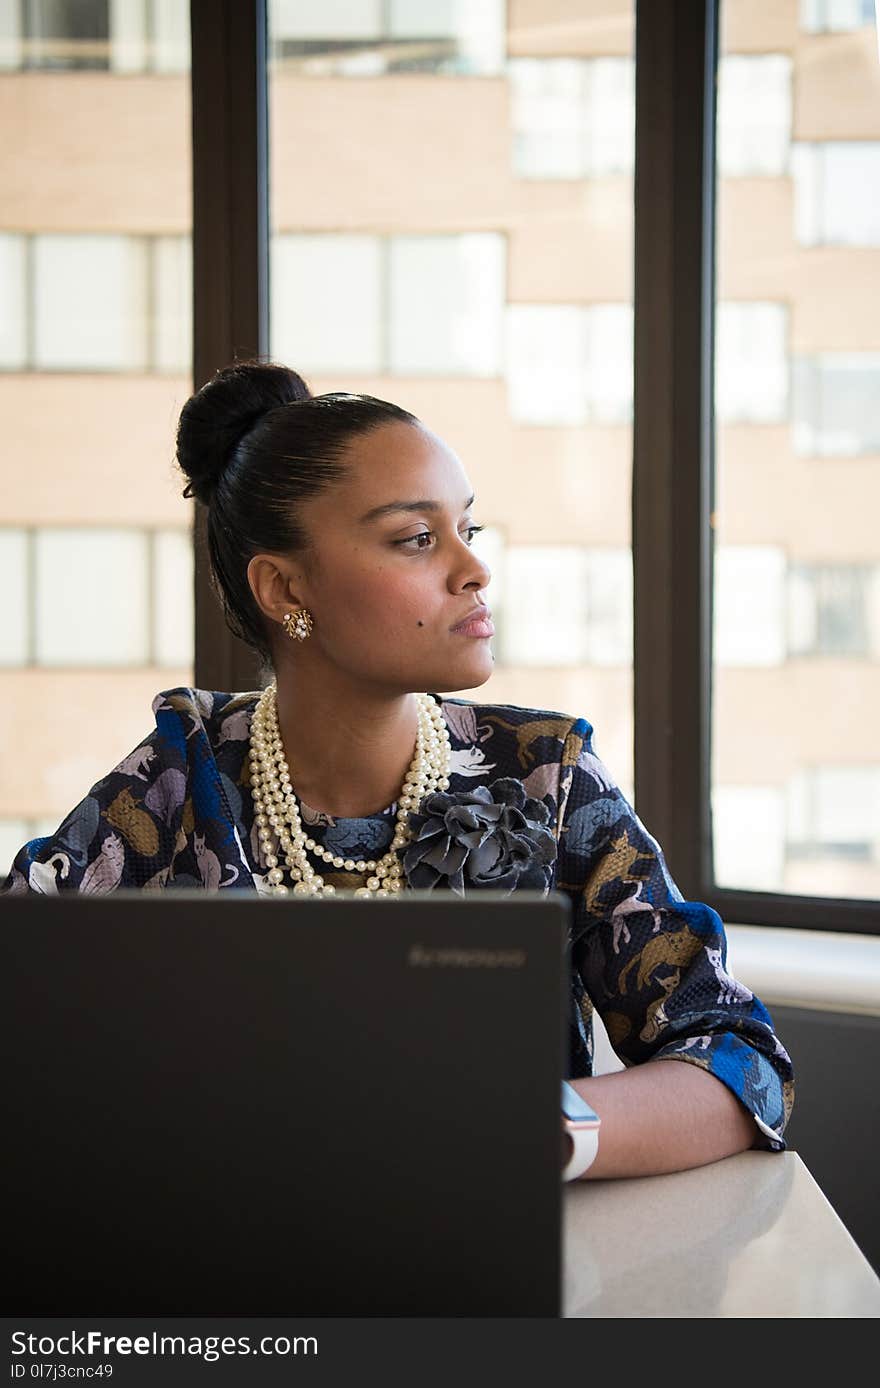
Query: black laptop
x: 230, y: 1105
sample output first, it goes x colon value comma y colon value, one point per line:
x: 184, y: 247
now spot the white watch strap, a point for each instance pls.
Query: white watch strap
x: 585, y: 1145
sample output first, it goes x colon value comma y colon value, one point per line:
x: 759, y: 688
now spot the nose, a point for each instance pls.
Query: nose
x: 470, y: 572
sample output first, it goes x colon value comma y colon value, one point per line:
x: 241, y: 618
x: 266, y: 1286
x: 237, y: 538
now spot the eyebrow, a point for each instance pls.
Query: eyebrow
x: 390, y: 506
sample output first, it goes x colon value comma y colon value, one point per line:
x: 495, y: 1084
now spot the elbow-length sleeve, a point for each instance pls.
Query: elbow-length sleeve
x: 653, y: 965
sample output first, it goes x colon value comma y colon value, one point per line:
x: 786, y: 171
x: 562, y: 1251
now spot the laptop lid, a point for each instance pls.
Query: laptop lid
x: 227, y: 1105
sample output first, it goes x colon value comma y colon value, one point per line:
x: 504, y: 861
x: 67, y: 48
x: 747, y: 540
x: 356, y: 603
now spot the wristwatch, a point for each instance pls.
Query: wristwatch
x: 582, y: 1125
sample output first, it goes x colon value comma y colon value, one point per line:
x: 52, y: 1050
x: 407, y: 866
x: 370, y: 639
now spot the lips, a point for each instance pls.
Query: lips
x: 477, y: 624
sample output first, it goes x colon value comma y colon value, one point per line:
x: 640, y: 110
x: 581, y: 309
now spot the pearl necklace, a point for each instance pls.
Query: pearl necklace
x: 277, y: 817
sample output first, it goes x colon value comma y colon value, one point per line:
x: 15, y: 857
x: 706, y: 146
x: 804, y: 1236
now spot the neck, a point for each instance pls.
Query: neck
x: 348, y: 751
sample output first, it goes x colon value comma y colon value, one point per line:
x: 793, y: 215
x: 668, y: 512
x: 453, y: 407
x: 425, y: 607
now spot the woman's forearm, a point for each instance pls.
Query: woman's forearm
x: 665, y: 1115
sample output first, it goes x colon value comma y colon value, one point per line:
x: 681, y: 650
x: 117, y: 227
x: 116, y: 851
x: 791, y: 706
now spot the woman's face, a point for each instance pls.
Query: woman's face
x: 390, y: 572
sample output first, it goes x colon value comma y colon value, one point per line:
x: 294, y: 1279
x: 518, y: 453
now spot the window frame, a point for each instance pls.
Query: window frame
x: 676, y: 50
x: 673, y: 465
x: 230, y: 122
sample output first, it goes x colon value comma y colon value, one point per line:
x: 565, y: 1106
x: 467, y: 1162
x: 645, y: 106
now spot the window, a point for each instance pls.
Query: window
x: 13, y: 833
x: 86, y: 597
x: 411, y: 305
x: 491, y: 545
x: 369, y: 38
x: 572, y: 117
x: 447, y: 297
x: 470, y: 261
x: 547, y: 355
x: 149, y: 36
x: 776, y: 615
x: 13, y: 302
x: 172, y: 598
x: 836, y: 404
x: 817, y: 832
x: 830, y: 609
x: 90, y: 303
x: 754, y: 114
x: 95, y: 364
x: 609, y: 607
x: 14, y: 616
x: 66, y: 34
x: 794, y: 764
x: 79, y: 302
x: 171, y: 310
x: 94, y: 35
x: 547, y: 632
x: 568, y: 364
x: 337, y: 19
x: 830, y: 180
x: 91, y: 604
x: 751, y: 377
x: 834, y: 811
x: 767, y: 609
x: 589, y: 619
x: 748, y: 836
x: 750, y: 609
x: 327, y: 301
x: 835, y: 16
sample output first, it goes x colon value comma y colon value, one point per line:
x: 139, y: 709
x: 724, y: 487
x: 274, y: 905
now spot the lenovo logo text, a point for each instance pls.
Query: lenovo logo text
x: 460, y: 957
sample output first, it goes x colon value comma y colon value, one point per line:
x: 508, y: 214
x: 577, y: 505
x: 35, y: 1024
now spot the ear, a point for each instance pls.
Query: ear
x: 276, y: 584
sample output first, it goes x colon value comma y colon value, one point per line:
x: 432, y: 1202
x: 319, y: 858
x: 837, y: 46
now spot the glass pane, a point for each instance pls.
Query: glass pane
x: 13, y: 312
x: 13, y: 833
x: 327, y: 294
x: 572, y: 117
x: 95, y: 364
x: 91, y: 605
x: 67, y: 34
x: 173, y: 598
x: 14, y: 596
x: 547, y: 352
x: 796, y: 760
x: 451, y: 222
x: 446, y: 312
x: 754, y: 114
x: 90, y: 310
x: 172, y: 304
x: 835, y: 16
x: 368, y: 38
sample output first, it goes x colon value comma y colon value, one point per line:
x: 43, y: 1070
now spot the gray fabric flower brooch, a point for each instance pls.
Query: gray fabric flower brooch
x: 492, y: 837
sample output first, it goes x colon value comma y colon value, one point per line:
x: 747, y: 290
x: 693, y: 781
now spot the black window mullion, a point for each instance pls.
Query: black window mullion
x: 673, y: 465
x: 672, y: 427
x: 230, y: 254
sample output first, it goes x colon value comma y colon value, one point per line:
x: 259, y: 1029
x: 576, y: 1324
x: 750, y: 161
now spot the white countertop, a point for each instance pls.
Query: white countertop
x: 750, y: 1236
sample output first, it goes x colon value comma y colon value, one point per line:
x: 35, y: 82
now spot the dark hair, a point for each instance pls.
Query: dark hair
x: 255, y: 443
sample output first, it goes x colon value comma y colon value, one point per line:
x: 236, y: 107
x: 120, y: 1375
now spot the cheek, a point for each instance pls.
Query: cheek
x: 384, y: 601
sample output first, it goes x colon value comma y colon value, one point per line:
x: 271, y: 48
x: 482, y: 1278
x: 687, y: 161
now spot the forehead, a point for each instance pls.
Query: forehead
x: 400, y: 461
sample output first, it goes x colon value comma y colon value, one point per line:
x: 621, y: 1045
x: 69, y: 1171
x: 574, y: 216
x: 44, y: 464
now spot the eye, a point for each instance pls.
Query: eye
x: 415, y: 541
x: 412, y: 540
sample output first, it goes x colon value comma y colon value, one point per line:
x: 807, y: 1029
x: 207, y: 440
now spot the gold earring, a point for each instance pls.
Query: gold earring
x: 298, y: 625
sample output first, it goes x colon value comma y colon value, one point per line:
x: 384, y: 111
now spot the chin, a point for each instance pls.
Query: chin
x: 463, y: 676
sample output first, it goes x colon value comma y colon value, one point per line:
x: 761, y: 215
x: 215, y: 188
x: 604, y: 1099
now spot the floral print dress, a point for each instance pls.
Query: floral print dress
x: 529, y: 805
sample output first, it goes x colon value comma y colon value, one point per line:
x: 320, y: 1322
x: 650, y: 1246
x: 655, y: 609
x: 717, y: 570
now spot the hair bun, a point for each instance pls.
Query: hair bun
x: 216, y: 418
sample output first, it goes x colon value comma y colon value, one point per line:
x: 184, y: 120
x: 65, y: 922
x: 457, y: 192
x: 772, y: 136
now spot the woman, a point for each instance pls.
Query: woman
x: 340, y: 533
